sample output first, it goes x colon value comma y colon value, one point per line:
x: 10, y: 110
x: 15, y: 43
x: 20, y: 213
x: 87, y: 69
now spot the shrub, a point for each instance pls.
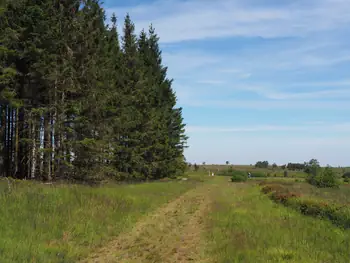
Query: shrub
x: 227, y: 172
x: 327, y: 178
x: 346, y: 175
x: 285, y: 173
x: 338, y: 215
x: 269, y: 188
x: 279, y: 193
x: 346, y: 180
x: 258, y: 174
x: 239, y: 176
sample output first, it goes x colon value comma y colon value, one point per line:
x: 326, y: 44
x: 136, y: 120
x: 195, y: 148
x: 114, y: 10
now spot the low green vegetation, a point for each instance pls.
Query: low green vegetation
x: 239, y: 176
x: 261, y: 219
x: 323, y: 178
x: 337, y: 213
x: 259, y: 174
x: 236, y: 175
x: 246, y: 226
x: 61, y: 223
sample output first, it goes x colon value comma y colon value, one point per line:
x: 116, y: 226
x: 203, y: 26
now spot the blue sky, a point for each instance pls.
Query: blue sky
x: 257, y: 79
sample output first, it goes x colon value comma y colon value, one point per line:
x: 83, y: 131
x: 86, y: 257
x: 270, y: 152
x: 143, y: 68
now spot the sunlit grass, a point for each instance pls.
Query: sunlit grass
x: 44, y: 223
x: 246, y: 226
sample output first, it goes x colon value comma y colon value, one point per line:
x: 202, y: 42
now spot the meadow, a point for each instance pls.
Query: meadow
x: 199, y: 219
x: 61, y: 223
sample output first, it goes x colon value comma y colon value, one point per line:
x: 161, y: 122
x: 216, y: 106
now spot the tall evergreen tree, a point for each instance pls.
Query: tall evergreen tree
x: 77, y: 104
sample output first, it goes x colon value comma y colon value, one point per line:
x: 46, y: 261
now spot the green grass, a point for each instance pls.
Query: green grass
x: 43, y: 223
x: 64, y: 223
x: 326, y: 203
x: 339, y: 195
x: 246, y: 226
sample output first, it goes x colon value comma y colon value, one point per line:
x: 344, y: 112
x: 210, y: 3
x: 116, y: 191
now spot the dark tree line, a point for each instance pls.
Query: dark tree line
x: 79, y: 102
x: 262, y: 164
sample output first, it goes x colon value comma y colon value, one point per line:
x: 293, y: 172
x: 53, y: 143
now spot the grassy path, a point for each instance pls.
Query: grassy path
x: 170, y: 234
x: 214, y: 221
x: 219, y: 222
x: 63, y: 223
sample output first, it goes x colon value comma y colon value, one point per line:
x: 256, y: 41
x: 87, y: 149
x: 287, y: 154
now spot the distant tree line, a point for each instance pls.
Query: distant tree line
x: 306, y: 166
x: 262, y: 164
x: 78, y: 103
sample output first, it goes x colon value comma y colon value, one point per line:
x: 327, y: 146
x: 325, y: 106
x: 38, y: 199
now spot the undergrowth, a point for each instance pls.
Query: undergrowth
x: 336, y: 213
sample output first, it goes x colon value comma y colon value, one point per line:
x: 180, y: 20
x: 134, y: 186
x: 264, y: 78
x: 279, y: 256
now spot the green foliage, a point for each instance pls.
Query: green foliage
x: 339, y: 215
x: 262, y: 164
x: 258, y: 174
x: 106, y: 108
x: 312, y: 167
x: 261, y: 231
x: 323, y: 178
x: 346, y: 175
x: 63, y: 223
x: 238, y: 176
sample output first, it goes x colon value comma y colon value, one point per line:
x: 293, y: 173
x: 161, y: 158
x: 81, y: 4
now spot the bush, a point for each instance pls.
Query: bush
x: 346, y: 180
x: 269, y: 188
x: 346, y: 175
x: 339, y: 215
x: 285, y: 173
x: 258, y: 174
x: 327, y: 178
x: 239, y: 176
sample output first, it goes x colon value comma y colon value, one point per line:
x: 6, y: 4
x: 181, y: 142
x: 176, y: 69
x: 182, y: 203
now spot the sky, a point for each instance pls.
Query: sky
x: 257, y: 79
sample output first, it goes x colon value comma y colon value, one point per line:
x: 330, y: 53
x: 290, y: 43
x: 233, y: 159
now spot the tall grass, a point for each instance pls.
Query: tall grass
x: 339, y: 195
x: 246, y: 226
x: 45, y: 223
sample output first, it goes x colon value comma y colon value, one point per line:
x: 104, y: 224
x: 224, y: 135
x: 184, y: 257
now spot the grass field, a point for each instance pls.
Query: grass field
x: 247, y: 227
x: 202, y: 219
x: 44, y: 223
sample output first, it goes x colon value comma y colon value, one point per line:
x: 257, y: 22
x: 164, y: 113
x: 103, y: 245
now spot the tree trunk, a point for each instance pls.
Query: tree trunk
x: 2, y: 138
x: 33, y: 157
x: 16, y: 155
x: 47, y: 148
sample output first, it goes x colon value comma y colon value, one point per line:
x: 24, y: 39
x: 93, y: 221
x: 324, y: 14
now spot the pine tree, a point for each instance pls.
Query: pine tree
x: 130, y: 157
x: 75, y: 104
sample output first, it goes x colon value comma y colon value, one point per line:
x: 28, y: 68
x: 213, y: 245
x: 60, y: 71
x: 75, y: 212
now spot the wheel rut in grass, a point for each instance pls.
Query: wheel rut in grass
x: 171, y: 234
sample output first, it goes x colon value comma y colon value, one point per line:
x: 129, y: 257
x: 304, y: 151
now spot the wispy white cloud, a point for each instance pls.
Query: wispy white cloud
x: 300, y: 71
x: 196, y: 19
x: 328, y: 94
x: 315, y: 127
x: 279, y: 93
x: 210, y: 82
x: 339, y: 83
x: 261, y: 105
x: 181, y: 64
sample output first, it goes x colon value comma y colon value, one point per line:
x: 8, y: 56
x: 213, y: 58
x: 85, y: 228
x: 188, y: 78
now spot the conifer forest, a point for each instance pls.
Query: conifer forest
x: 81, y: 101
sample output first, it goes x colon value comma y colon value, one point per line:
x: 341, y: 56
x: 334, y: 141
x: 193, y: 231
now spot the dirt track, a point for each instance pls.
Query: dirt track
x: 171, y: 234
